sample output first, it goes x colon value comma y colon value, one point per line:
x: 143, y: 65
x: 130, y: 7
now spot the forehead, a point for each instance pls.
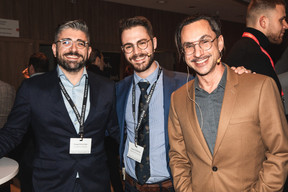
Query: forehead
x: 134, y: 34
x: 194, y: 31
x: 279, y: 11
x: 72, y: 34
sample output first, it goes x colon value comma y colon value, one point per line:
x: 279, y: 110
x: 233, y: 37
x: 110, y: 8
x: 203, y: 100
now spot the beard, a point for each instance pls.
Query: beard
x: 140, y: 69
x: 71, y: 66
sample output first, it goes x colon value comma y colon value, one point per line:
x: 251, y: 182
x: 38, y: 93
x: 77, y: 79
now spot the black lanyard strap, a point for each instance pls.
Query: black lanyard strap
x: 145, y: 107
x: 73, y: 106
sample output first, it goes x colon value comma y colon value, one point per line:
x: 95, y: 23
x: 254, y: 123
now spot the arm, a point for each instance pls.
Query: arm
x: 18, y: 120
x: 274, y: 132
x: 179, y: 162
x: 112, y: 126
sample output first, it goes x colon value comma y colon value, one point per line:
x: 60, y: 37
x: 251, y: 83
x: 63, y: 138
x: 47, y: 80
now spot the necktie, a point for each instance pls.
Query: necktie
x: 143, y: 169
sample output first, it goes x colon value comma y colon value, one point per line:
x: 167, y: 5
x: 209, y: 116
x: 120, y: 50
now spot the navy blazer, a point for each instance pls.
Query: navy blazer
x: 171, y: 81
x: 39, y: 102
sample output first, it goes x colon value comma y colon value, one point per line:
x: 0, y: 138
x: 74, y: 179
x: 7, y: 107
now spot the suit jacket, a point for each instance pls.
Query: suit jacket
x: 251, y: 149
x: 39, y: 102
x: 171, y: 81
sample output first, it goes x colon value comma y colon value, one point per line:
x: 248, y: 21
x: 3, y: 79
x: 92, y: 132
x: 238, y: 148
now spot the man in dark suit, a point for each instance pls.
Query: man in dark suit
x: 138, y: 45
x: 69, y: 110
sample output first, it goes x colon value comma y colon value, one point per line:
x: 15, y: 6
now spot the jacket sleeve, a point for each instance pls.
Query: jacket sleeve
x: 18, y: 120
x: 274, y: 132
x: 179, y: 162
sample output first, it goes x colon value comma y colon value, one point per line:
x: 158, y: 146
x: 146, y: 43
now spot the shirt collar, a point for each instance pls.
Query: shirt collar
x: 221, y: 84
x: 62, y: 75
x: 151, y: 78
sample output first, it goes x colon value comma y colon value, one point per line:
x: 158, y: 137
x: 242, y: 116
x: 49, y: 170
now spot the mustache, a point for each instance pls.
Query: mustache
x: 200, y: 58
x: 73, y: 53
x: 139, y: 55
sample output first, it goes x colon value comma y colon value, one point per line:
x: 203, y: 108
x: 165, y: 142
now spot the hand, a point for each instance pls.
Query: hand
x: 240, y: 70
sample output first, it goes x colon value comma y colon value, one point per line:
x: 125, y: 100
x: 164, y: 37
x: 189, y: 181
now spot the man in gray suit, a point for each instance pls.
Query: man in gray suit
x: 7, y: 96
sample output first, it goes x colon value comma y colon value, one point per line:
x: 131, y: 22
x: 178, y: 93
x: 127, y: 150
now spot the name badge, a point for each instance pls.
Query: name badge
x: 80, y: 147
x: 135, y: 152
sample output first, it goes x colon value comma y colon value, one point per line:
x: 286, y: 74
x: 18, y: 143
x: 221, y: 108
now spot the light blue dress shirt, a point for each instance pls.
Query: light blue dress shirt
x: 76, y: 92
x: 157, y: 151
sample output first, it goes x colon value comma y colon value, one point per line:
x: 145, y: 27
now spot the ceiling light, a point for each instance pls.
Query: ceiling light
x: 161, y: 1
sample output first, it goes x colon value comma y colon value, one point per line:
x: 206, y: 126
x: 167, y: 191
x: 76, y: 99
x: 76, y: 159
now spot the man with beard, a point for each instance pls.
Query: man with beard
x: 227, y: 132
x: 138, y: 46
x: 266, y: 23
x: 69, y: 111
x: 148, y: 170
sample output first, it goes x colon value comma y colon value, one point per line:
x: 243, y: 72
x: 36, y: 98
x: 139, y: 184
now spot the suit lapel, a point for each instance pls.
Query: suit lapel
x: 53, y: 86
x: 193, y: 120
x: 229, y: 100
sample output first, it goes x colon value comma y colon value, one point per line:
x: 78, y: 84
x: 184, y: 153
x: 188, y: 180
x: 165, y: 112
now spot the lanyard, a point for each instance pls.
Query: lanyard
x: 79, y: 118
x: 144, y: 110
x: 249, y: 35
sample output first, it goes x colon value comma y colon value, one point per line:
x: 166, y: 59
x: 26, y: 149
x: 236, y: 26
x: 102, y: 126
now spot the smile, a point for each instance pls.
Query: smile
x: 202, y: 60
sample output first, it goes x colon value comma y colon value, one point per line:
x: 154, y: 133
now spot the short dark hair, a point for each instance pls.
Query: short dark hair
x: 256, y: 6
x: 94, y: 54
x: 76, y: 24
x: 39, y: 61
x: 134, y: 22
x: 213, y: 22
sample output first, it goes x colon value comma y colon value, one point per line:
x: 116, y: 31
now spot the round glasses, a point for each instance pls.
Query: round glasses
x: 129, y: 47
x: 205, y: 44
x: 68, y: 43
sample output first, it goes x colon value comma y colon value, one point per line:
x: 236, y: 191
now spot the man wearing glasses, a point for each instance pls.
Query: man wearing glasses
x: 227, y: 132
x: 144, y: 143
x: 138, y: 46
x: 69, y: 110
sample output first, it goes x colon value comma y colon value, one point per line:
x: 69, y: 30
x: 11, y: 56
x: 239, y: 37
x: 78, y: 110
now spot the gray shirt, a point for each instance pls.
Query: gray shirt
x: 210, y: 107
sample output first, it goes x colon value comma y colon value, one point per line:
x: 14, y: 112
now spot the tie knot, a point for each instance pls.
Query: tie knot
x: 143, y: 86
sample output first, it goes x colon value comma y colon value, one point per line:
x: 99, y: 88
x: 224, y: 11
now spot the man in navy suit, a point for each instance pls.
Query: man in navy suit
x: 69, y: 110
x: 138, y: 46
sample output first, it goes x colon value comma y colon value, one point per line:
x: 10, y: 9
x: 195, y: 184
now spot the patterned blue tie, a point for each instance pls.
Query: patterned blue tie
x: 143, y: 169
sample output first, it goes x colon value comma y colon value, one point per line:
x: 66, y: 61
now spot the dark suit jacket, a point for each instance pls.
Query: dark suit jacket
x: 171, y: 81
x: 39, y: 102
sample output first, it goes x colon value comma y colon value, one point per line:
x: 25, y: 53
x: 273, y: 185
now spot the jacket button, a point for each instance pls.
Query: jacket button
x: 214, y: 169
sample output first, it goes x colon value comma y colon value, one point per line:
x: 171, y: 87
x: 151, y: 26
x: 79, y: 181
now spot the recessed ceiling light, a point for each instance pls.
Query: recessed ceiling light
x: 161, y: 1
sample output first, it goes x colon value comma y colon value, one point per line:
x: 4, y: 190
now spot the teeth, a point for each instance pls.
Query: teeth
x: 202, y: 61
x: 72, y: 56
x: 139, y: 58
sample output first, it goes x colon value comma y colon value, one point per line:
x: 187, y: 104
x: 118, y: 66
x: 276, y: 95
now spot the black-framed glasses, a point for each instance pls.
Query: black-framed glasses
x: 141, y: 44
x: 205, y: 44
x: 80, y: 44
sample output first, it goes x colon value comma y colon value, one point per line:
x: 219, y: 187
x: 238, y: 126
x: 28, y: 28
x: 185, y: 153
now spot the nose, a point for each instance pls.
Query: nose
x: 285, y: 25
x: 198, y: 50
x: 136, y: 50
x: 73, y: 46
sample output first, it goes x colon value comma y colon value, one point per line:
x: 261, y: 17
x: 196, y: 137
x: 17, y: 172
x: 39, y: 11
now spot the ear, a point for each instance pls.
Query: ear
x: 220, y: 43
x: 263, y: 22
x: 89, y: 51
x: 154, y: 43
x: 54, y: 49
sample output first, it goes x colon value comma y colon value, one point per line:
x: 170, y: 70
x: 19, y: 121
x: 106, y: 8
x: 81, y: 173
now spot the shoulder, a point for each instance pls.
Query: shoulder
x: 6, y: 86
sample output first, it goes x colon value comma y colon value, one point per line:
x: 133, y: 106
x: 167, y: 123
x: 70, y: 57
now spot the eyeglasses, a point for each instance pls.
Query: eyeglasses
x: 129, y: 47
x: 205, y: 44
x: 68, y: 43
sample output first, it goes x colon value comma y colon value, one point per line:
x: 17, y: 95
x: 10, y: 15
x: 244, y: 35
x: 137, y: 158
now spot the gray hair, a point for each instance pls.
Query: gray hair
x: 76, y: 24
